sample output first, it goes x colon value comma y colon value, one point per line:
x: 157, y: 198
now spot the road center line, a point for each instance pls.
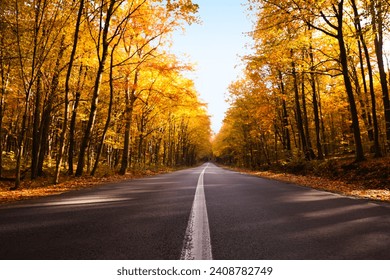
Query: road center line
x: 197, y: 245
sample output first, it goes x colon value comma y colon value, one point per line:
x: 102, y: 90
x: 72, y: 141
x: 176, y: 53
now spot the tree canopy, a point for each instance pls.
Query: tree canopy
x: 315, y: 84
x: 88, y: 84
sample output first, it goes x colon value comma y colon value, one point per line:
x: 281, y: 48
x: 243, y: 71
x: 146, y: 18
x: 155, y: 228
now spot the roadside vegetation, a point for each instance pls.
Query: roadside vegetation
x: 369, y: 179
x: 313, y: 99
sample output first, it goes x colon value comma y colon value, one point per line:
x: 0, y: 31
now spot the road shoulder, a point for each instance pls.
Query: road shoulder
x: 331, y: 185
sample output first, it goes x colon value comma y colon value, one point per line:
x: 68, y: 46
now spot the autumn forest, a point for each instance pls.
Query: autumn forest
x: 92, y: 84
x: 315, y: 86
x: 92, y: 87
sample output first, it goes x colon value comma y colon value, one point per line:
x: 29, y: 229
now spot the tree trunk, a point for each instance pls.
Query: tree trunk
x: 320, y: 154
x: 96, y: 90
x: 72, y: 126
x: 108, y: 120
x: 4, y: 84
x: 286, y: 132
x: 72, y: 129
x: 377, y: 24
x: 27, y: 89
x: 47, y: 113
x: 377, y: 148
x: 310, y: 153
x: 298, y: 111
x: 36, y: 141
x: 365, y: 114
x: 67, y: 89
x: 365, y: 88
x: 359, y: 153
x: 20, y: 142
x: 130, y: 98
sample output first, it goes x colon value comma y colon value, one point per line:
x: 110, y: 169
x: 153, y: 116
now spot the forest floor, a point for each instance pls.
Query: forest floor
x: 30, y: 189
x: 369, y: 179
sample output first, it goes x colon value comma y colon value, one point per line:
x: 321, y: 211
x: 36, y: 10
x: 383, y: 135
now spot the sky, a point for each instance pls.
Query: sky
x: 215, y: 46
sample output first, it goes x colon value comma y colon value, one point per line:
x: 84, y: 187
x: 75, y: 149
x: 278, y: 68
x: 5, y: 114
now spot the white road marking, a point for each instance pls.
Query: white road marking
x: 197, y: 245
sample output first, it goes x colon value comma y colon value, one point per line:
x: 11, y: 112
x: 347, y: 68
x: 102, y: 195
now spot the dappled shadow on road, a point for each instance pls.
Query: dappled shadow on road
x: 264, y: 219
x: 140, y: 219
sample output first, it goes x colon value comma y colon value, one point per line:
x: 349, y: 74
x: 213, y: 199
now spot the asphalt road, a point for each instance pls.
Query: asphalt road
x: 237, y: 217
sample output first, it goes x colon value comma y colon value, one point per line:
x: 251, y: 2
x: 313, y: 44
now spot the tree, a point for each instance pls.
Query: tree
x: 48, y: 109
x: 299, y: 46
x: 329, y: 20
x: 5, y: 68
x: 378, y: 10
x: 67, y: 89
x: 34, y: 48
x: 103, y: 41
x: 362, y: 41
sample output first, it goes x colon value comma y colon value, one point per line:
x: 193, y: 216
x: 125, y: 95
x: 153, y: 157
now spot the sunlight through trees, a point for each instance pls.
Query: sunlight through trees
x: 315, y: 85
x: 89, y: 85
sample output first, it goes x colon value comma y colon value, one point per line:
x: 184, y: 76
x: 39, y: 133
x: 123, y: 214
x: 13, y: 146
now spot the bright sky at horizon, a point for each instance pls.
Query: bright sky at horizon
x: 215, y: 46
